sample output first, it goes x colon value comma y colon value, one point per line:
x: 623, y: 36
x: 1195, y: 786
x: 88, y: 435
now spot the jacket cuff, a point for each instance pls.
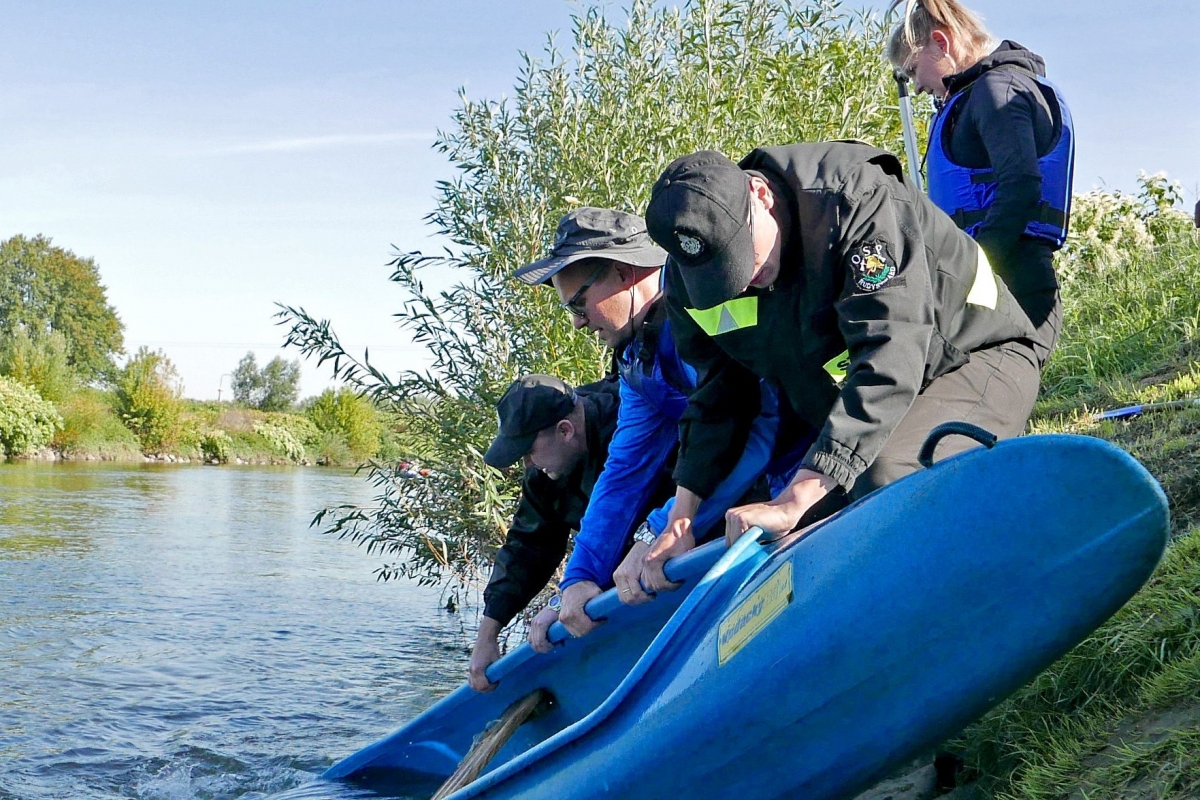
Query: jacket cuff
x: 502, y: 608
x: 566, y: 583
x: 835, y: 460
x: 702, y: 482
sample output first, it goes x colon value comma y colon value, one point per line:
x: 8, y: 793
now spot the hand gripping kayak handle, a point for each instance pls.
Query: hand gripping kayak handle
x: 984, y: 437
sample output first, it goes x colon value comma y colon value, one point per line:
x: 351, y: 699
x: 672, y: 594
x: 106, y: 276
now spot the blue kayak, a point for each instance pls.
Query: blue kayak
x: 814, y: 665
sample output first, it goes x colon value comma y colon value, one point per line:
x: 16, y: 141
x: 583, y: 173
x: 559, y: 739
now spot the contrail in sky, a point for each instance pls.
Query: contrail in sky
x: 324, y: 142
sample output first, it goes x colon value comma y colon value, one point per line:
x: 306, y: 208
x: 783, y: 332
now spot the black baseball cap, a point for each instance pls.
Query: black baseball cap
x: 699, y: 209
x: 530, y: 405
x: 595, y: 233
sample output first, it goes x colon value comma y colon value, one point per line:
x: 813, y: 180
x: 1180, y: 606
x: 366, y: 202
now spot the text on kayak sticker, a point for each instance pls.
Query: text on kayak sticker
x: 754, y: 613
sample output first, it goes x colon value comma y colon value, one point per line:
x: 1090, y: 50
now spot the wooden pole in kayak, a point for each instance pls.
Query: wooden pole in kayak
x: 494, y: 737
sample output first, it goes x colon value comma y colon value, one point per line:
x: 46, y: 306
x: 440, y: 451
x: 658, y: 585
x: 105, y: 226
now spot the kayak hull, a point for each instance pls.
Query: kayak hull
x: 814, y: 666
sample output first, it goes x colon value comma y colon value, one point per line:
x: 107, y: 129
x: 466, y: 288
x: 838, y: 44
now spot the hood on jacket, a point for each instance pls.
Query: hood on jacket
x: 1009, y: 53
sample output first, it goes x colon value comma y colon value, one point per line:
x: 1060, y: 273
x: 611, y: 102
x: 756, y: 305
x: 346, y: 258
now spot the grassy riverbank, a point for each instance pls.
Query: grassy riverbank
x: 1119, y: 717
x: 221, y: 433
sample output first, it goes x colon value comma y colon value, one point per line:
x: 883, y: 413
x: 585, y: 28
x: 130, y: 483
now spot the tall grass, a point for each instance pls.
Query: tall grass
x: 1125, y: 320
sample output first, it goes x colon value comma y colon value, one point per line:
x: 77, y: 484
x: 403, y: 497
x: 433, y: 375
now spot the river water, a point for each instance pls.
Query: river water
x: 171, y: 632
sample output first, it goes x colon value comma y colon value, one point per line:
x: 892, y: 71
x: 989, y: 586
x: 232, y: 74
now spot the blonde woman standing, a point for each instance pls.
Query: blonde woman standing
x: 1001, y: 152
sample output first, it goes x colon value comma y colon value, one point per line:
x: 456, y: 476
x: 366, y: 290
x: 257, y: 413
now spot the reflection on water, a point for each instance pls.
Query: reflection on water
x: 29, y: 544
x: 180, y: 632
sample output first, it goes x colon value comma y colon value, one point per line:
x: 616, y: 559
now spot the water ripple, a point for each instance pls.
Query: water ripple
x: 181, y: 633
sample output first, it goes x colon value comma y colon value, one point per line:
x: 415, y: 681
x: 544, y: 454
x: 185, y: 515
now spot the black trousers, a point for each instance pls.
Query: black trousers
x: 995, y: 390
x: 1028, y: 271
x: 1045, y: 310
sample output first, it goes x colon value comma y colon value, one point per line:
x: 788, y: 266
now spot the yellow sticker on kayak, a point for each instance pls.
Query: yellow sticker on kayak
x: 754, y: 613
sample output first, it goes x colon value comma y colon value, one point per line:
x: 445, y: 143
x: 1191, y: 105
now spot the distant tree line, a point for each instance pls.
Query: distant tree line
x: 61, y: 386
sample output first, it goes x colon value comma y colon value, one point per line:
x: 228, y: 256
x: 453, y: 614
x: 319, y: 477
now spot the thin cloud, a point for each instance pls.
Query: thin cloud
x: 305, y: 143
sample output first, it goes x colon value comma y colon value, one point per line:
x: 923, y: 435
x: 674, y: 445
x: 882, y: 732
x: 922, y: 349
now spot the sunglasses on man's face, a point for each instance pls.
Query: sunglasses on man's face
x: 577, y: 304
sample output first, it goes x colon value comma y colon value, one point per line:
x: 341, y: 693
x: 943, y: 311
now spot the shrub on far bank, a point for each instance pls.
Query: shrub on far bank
x: 148, y: 400
x: 331, y: 449
x: 281, y: 440
x: 227, y: 433
x: 27, y: 420
x: 347, y: 414
x: 91, y: 427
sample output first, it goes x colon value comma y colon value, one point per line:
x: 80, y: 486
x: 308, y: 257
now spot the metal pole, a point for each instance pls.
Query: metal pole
x: 906, y: 118
x: 910, y: 136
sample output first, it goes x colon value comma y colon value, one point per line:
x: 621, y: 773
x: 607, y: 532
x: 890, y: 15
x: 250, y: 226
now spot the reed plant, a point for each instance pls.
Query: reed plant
x: 592, y: 123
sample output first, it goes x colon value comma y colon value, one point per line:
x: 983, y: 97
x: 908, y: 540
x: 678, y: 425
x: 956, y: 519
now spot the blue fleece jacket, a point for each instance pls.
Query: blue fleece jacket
x: 653, y: 400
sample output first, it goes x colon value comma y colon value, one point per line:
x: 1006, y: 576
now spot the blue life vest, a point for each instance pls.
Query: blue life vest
x: 966, y: 193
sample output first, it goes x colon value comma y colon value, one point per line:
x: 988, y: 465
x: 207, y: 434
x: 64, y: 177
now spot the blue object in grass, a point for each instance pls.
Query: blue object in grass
x: 1133, y: 411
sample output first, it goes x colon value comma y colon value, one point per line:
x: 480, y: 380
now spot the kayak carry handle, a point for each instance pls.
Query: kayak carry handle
x: 680, y: 569
x: 984, y: 437
x: 691, y: 565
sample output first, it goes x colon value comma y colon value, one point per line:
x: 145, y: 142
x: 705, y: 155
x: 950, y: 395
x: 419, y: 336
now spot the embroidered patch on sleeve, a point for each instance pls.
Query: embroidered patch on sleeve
x: 872, y: 266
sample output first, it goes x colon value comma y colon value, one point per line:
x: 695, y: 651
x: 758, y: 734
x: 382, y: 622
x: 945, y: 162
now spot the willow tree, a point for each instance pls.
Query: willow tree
x: 592, y: 126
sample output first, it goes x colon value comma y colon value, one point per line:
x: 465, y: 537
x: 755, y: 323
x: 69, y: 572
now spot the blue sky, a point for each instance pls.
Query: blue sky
x: 215, y: 157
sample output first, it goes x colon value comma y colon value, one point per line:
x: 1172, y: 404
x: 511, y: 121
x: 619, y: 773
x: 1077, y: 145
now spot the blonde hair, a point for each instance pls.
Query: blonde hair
x: 923, y: 17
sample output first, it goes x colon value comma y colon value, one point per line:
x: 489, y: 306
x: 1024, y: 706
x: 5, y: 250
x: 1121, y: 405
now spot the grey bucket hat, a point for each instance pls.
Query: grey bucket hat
x: 595, y: 233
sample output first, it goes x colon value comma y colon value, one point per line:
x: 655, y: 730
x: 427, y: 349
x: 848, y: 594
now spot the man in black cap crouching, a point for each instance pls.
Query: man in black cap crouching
x: 819, y: 268
x: 562, y: 434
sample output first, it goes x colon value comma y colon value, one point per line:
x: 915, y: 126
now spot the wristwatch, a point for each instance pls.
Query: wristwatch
x: 645, y: 534
x: 555, y: 603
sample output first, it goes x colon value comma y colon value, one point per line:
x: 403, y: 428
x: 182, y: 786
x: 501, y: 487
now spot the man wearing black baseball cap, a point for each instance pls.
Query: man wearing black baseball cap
x: 607, y: 273
x: 819, y: 268
x: 562, y: 434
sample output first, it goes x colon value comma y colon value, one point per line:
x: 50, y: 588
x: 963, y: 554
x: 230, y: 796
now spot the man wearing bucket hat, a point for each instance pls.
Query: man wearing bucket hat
x: 822, y: 270
x: 562, y: 435
x: 607, y: 274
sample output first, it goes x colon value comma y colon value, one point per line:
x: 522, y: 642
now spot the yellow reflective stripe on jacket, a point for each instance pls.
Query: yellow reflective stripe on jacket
x: 837, y: 366
x: 732, y: 315
x: 984, y: 291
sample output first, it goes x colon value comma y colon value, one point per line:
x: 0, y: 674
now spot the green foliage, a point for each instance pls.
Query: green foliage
x: 281, y: 440
x: 1109, y: 227
x: 331, y: 450
x: 147, y: 396
x: 91, y: 427
x: 298, y: 427
x: 347, y: 414
x: 596, y: 128
x: 44, y: 288
x: 40, y: 361
x: 273, y: 388
x: 27, y: 421
x: 246, y: 381
x: 215, y: 446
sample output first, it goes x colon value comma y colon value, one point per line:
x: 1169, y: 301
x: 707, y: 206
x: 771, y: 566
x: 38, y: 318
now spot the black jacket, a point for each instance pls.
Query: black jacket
x: 1006, y: 123
x: 874, y: 283
x: 548, y: 510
